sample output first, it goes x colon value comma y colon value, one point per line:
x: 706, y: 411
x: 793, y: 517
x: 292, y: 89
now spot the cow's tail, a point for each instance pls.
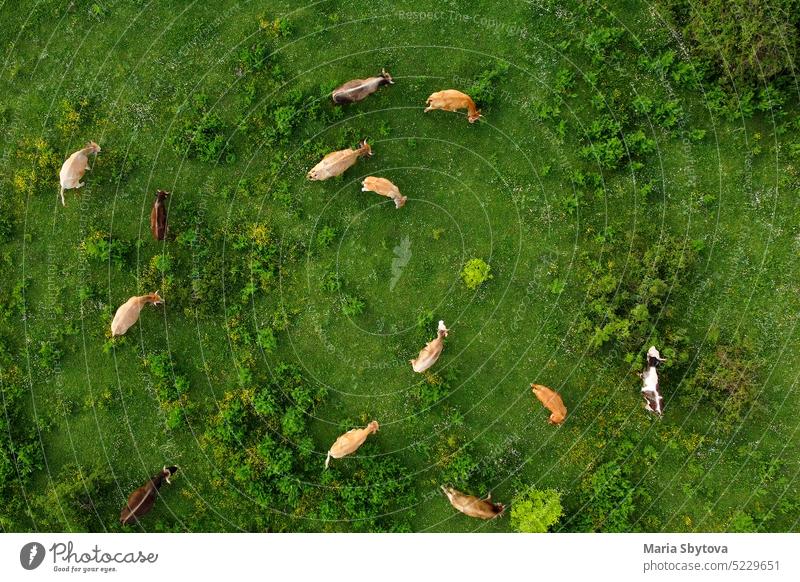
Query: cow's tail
x: 61, y: 193
x: 327, y: 459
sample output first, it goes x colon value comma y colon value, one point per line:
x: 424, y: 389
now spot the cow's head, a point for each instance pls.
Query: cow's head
x: 387, y: 78
x: 366, y: 150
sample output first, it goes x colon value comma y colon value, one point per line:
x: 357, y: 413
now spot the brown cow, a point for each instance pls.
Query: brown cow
x: 128, y: 312
x: 552, y: 402
x: 142, y: 500
x: 350, y: 441
x: 452, y: 100
x: 359, y: 89
x: 432, y: 350
x: 158, y: 216
x: 384, y: 187
x: 336, y: 163
x: 74, y: 167
x: 473, y: 506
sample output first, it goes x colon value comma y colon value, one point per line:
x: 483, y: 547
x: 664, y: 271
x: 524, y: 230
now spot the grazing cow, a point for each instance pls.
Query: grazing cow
x: 452, y: 100
x: 74, y: 167
x: 350, y: 441
x: 142, y: 500
x: 128, y: 312
x: 384, y: 187
x: 473, y: 506
x: 652, y: 396
x: 335, y: 163
x: 359, y: 89
x: 432, y: 350
x: 552, y: 402
x: 158, y: 216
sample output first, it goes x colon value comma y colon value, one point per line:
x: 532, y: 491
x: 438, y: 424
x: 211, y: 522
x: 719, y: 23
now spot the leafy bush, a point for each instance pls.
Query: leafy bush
x: 728, y: 378
x: 626, y: 305
x: 325, y: 236
x: 252, y: 59
x: 611, y: 500
x: 71, y: 502
x: 535, y: 511
x: 331, y: 282
x: 750, y: 40
x: 172, y: 389
x: 20, y: 451
x: 242, y: 435
x: 352, y: 305
x: 368, y: 499
x: 483, y: 88
x: 475, y: 272
x: 201, y: 134
x: 432, y: 388
x: 101, y: 247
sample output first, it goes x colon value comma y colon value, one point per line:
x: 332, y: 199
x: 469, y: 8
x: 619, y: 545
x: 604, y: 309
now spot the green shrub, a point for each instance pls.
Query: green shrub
x: 626, y: 304
x: 475, y: 273
x: 352, y: 306
x: 171, y: 388
x: 483, y: 88
x: 367, y: 494
x: 727, y: 377
x: 252, y: 59
x: 325, y: 236
x: 535, y: 511
x: 748, y: 40
x: 71, y: 502
x: 201, y: 134
x: 100, y: 247
x: 610, y: 504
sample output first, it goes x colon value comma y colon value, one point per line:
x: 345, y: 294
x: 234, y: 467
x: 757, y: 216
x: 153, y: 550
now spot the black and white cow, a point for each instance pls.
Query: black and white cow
x: 654, y: 402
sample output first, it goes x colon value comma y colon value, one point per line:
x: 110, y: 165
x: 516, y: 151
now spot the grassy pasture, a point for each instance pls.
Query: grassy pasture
x: 257, y: 250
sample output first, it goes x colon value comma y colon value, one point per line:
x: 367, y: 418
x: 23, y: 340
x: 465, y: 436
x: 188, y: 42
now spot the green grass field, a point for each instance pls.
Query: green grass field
x: 255, y: 251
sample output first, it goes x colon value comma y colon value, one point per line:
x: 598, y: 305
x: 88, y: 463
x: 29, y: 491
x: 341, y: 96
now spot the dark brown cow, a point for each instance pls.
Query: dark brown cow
x: 158, y: 216
x: 142, y: 500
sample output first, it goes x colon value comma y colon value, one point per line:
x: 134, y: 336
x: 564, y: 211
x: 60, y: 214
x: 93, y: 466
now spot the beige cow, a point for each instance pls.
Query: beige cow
x: 128, y: 312
x: 473, y: 506
x: 75, y: 167
x: 336, y: 163
x: 384, y: 187
x: 552, y: 402
x: 350, y: 441
x: 432, y: 350
x: 452, y: 100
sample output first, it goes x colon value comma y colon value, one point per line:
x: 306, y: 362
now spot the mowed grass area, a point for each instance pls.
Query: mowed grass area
x: 494, y: 190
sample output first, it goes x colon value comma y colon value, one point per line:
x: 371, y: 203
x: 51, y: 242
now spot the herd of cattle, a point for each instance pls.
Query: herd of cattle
x: 335, y: 164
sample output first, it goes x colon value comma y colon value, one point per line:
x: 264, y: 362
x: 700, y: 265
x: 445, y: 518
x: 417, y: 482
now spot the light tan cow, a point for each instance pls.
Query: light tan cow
x: 74, y: 167
x: 452, y: 100
x: 552, y: 402
x: 336, y: 163
x: 128, y: 312
x: 384, y: 187
x: 432, y: 350
x: 350, y: 441
x: 473, y: 506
